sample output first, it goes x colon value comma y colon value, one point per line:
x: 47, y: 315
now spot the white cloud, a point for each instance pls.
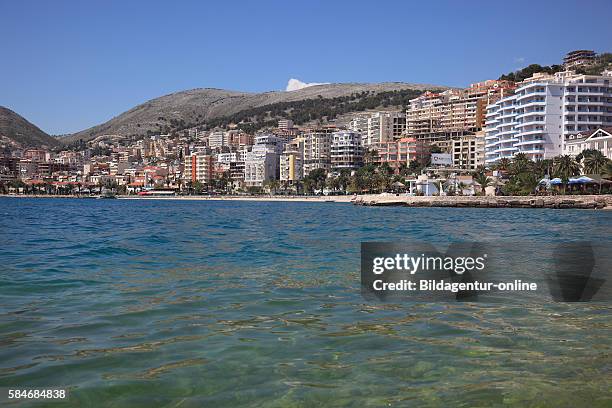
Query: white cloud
x: 295, y: 84
x: 519, y: 60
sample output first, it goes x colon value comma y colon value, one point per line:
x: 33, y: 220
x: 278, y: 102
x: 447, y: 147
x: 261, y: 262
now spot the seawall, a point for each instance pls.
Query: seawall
x: 561, y: 202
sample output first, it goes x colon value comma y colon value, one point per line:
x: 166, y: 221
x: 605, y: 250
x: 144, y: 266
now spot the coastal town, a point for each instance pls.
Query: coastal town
x: 548, y: 133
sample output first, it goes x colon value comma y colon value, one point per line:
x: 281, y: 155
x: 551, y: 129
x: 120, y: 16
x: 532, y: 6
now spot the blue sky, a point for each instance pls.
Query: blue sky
x: 73, y: 64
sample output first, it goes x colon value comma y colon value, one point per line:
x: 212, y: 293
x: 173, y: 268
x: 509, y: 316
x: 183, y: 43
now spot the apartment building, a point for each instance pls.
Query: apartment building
x: 238, y: 139
x: 438, y: 117
x: 285, y: 124
x: 346, y: 150
x: 218, y: 139
x: 291, y: 161
x: 378, y: 127
x: 261, y: 164
x: 199, y: 166
x: 579, y: 57
x: 402, y: 152
x: 317, y: 149
x: 468, y: 151
x: 500, y: 132
x: 546, y: 109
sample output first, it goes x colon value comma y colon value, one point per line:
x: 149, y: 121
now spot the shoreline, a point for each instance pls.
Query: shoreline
x: 386, y: 199
x: 308, y: 199
x: 599, y: 202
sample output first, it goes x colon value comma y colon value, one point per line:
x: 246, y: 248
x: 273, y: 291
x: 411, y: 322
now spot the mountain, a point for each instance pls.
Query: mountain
x: 197, y: 106
x: 17, y: 131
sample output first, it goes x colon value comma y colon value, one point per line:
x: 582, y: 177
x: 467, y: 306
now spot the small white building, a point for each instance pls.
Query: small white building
x: 600, y: 139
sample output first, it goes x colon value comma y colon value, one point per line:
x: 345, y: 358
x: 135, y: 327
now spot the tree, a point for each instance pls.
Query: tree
x: 503, y: 163
x: 542, y: 167
x: 565, y: 167
x: 520, y: 164
x: 484, y: 181
x: 594, y: 162
x: 316, y: 179
x: 607, y: 173
x: 198, y: 187
x: 527, y: 182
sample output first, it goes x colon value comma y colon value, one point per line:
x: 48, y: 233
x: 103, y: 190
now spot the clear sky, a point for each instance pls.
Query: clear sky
x: 69, y: 65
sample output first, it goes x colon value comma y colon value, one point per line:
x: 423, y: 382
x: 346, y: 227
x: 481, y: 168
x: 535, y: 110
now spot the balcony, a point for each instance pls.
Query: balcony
x: 530, y: 132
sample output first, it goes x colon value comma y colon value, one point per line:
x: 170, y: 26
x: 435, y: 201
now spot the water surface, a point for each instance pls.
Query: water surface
x: 175, y: 303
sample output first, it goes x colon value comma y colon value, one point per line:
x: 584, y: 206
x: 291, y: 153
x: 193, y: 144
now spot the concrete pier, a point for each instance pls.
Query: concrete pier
x: 560, y: 202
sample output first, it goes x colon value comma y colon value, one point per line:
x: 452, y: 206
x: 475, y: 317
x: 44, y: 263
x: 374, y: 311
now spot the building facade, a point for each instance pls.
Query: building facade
x: 468, y: 151
x: 199, y: 167
x: 291, y: 161
x: 402, y: 152
x: 600, y: 139
x: 346, y: 150
x: 439, y: 117
x: 545, y: 109
x: 378, y: 127
x: 317, y: 150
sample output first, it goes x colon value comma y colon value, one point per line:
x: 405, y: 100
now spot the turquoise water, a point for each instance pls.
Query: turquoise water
x: 174, y: 303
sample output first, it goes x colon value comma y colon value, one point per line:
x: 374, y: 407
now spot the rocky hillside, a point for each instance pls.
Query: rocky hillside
x: 198, y: 106
x: 16, y: 131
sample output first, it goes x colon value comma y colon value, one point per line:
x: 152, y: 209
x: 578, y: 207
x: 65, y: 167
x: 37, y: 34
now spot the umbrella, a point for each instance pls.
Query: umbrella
x: 398, y: 184
x: 581, y: 180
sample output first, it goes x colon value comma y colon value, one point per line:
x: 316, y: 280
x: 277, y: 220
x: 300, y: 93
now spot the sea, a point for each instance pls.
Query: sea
x: 176, y: 303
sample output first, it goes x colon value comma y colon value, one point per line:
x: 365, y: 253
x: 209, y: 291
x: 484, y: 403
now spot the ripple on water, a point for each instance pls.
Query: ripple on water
x: 173, y: 303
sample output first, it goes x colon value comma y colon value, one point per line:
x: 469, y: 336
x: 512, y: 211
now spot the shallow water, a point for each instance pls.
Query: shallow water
x: 174, y: 303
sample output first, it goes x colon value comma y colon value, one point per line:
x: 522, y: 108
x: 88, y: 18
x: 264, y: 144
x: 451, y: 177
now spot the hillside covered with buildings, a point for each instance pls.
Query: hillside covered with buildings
x: 547, y: 123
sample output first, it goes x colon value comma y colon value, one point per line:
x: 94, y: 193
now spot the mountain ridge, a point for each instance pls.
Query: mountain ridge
x: 18, y: 131
x: 198, y: 105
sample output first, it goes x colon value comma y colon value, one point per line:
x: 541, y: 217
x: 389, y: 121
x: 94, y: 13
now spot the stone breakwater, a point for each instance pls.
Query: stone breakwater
x: 561, y: 202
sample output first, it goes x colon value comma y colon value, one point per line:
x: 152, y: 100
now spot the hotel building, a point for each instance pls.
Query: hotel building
x: 218, y: 139
x: 579, y: 57
x: 545, y: 109
x: 500, y: 133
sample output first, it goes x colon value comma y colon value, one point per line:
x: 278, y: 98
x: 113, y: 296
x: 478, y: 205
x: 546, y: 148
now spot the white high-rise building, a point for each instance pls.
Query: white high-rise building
x: 261, y: 163
x: 500, y: 132
x: 543, y: 111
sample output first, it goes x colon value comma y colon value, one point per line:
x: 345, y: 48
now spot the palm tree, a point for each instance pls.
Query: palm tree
x: 542, y: 167
x: 565, y: 166
x: 520, y: 163
x: 484, y: 181
x: 528, y: 182
x: 607, y: 173
x: 503, y: 163
x: 595, y: 163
